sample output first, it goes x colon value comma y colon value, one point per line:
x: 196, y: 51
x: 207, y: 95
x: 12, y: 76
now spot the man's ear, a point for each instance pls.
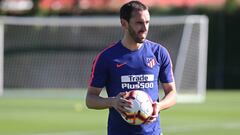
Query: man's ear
x: 124, y: 23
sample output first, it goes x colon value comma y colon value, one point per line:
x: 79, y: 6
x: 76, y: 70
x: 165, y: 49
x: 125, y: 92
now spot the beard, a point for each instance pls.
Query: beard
x: 135, y: 36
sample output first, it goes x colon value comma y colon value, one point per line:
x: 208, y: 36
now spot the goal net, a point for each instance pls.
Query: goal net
x: 58, y: 52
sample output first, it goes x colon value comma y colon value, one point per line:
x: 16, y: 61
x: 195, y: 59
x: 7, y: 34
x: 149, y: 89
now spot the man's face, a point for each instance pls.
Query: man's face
x: 138, y: 25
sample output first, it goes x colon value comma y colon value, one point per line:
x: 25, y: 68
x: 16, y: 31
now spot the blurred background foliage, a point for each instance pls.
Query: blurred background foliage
x: 81, y: 7
x: 224, y: 26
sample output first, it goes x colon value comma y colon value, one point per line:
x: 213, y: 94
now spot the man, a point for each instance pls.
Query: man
x: 132, y: 63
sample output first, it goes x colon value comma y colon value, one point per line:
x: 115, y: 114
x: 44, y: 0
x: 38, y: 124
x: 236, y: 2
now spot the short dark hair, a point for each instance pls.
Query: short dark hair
x: 127, y: 9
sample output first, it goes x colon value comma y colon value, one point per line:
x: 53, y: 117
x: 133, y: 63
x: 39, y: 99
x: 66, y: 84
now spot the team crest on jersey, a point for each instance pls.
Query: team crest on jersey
x: 151, y: 62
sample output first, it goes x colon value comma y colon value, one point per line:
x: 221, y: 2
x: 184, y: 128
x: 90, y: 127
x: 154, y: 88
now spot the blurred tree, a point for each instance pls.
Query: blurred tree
x: 56, y: 6
x: 16, y: 7
x: 231, y: 5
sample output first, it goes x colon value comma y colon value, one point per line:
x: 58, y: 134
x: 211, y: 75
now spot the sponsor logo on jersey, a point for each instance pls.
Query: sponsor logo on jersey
x: 137, y: 81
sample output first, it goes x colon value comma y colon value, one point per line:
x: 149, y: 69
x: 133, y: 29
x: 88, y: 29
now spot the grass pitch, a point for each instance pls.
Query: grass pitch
x: 63, y: 112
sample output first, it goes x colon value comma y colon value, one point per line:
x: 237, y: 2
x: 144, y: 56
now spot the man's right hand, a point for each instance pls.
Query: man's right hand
x: 120, y: 103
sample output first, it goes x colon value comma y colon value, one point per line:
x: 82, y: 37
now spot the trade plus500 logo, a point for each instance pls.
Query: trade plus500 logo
x: 137, y: 81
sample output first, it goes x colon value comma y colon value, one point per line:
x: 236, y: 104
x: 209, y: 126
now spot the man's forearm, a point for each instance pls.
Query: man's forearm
x: 168, y: 101
x: 97, y: 102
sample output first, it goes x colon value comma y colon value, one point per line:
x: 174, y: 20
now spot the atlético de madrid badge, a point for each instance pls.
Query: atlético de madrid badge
x: 151, y: 62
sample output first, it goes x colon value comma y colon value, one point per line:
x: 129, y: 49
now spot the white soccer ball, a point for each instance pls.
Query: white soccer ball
x: 141, y: 107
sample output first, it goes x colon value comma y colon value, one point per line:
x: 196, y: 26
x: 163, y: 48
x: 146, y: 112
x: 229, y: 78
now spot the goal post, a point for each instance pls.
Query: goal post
x: 192, y: 57
x: 57, y: 52
x: 188, y: 52
x: 1, y: 56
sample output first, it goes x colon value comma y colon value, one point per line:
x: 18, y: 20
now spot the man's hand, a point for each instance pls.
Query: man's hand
x: 120, y: 103
x: 154, y: 115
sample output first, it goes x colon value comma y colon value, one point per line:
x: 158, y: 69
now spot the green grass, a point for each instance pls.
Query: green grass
x: 219, y: 115
x: 64, y: 113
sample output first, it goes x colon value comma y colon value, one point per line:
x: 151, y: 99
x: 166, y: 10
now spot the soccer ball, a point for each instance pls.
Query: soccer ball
x: 141, y: 109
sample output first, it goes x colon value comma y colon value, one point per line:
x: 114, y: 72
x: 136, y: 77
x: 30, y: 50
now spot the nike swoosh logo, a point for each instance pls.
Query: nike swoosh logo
x: 120, y: 65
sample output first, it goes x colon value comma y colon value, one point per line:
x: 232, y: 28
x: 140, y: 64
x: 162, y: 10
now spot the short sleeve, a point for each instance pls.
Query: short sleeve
x: 166, y: 72
x: 99, y: 72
